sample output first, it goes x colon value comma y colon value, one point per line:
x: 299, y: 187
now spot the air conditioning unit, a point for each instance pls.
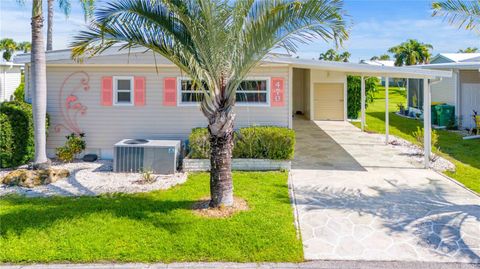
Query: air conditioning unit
x: 136, y: 155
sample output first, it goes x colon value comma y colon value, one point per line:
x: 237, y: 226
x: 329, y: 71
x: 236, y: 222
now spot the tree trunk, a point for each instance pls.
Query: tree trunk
x: 39, y: 85
x: 50, y: 25
x: 221, y: 145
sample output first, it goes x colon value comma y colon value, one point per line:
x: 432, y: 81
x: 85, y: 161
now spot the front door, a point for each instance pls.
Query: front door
x: 328, y: 101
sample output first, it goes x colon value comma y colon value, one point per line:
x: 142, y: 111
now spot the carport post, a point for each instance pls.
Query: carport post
x: 362, y: 103
x: 427, y: 122
x: 387, y: 120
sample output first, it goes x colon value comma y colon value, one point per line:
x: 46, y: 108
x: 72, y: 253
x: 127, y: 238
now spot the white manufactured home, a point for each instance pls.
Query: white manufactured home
x: 10, y: 78
x: 462, y: 90
x: 137, y: 94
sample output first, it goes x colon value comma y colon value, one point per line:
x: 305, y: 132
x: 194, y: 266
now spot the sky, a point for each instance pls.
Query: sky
x: 375, y: 26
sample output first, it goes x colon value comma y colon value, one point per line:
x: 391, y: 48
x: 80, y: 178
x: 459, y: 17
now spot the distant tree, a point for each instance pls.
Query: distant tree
x: 9, y: 47
x: 24, y: 46
x: 411, y: 52
x: 461, y: 13
x: 383, y: 57
x: 333, y: 55
x: 468, y: 50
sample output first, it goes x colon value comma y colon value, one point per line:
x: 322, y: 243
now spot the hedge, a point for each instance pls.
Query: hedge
x: 20, y: 117
x: 6, y: 141
x: 354, y: 94
x: 260, y: 142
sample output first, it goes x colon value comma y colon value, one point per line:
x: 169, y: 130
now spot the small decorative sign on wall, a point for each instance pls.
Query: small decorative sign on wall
x: 277, y: 92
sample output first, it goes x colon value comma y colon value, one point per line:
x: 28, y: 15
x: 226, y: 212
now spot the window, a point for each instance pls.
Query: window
x: 250, y: 92
x: 415, y: 93
x: 123, y: 87
x: 253, y: 92
x: 189, y: 94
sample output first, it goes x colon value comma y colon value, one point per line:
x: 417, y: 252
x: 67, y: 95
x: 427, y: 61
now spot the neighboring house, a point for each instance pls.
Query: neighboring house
x: 10, y: 78
x: 391, y: 81
x: 137, y: 94
x: 462, y: 90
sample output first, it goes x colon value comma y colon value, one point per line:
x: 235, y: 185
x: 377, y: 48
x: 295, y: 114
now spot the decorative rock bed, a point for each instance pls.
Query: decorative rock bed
x: 93, y: 179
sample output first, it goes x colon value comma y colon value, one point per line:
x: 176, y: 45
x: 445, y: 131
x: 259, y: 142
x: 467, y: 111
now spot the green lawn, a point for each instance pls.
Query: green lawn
x: 153, y: 227
x: 465, y: 154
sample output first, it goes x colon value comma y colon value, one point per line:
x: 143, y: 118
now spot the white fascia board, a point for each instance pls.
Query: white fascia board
x: 362, y: 69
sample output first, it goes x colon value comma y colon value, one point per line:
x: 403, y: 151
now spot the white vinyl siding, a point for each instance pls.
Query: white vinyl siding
x: 104, y: 126
x: 10, y: 78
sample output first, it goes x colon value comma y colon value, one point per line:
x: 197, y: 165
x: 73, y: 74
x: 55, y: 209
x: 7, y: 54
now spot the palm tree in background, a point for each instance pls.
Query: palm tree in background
x: 383, y: 57
x: 411, y: 52
x: 9, y: 47
x: 462, y: 13
x: 24, y: 46
x: 65, y: 6
x: 468, y: 50
x: 216, y: 43
x: 333, y: 55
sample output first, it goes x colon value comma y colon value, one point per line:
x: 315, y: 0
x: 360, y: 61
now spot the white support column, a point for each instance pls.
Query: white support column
x: 427, y: 122
x: 387, y: 115
x: 363, y: 102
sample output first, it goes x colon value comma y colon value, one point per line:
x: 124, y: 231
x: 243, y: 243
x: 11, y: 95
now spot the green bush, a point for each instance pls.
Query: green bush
x: 262, y: 142
x: 354, y: 94
x: 19, y: 94
x: 20, y: 117
x: 6, y: 141
x: 75, y: 144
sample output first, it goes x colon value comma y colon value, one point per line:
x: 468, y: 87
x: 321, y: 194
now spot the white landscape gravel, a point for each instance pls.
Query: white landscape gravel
x: 94, y: 179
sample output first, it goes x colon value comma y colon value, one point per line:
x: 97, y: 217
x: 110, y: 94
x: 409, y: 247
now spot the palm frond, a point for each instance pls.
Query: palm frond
x: 462, y: 13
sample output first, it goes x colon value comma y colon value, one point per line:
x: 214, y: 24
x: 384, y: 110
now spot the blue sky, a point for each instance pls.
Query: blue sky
x: 376, y: 25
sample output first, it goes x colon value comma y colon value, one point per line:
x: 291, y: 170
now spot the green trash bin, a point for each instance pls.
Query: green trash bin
x: 434, y: 115
x: 445, y: 115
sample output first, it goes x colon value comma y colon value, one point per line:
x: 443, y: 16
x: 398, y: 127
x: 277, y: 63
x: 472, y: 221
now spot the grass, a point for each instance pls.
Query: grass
x: 153, y: 227
x: 465, y: 154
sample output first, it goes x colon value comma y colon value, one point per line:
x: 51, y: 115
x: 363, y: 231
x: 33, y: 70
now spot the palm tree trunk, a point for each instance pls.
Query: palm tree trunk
x: 39, y: 85
x: 50, y: 25
x: 221, y: 145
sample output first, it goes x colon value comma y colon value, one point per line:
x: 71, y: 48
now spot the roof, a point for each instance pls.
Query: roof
x: 449, y: 66
x: 379, y: 62
x: 457, y: 57
x: 362, y: 69
x: 275, y: 58
x: 9, y: 64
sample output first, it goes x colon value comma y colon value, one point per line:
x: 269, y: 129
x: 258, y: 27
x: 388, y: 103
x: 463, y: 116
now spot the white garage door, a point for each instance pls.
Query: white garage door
x: 328, y: 101
x: 470, y: 98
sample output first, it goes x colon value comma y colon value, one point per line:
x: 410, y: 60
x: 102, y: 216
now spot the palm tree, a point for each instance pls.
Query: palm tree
x: 39, y: 85
x: 468, y: 50
x: 462, y: 13
x: 65, y: 6
x: 24, y: 46
x: 333, y: 55
x: 9, y: 47
x: 411, y: 52
x: 383, y: 57
x: 216, y: 43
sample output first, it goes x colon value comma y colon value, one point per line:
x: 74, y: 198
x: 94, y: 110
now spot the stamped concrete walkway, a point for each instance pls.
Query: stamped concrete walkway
x: 359, y: 199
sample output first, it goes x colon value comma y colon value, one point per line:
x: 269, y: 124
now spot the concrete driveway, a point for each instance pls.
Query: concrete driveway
x: 359, y: 199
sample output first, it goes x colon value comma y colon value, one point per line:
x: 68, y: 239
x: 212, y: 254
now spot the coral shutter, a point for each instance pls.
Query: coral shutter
x: 139, y: 90
x: 277, y: 92
x: 107, y: 88
x: 170, y: 92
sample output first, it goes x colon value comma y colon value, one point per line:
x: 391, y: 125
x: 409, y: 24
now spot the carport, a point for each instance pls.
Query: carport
x: 319, y: 75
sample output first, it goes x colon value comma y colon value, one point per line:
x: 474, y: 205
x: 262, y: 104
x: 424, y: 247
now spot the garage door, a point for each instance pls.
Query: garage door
x: 328, y: 101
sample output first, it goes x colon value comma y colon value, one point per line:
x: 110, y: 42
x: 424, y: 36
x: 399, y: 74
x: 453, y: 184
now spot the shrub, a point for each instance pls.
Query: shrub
x: 75, y: 144
x: 419, y: 136
x: 355, y: 94
x: 21, y: 120
x: 19, y: 94
x: 6, y: 141
x: 263, y: 142
x: 199, y: 143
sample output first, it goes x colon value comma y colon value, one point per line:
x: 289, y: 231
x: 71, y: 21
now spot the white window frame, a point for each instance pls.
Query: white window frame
x: 179, y: 93
x: 115, y: 90
x: 250, y: 104
x: 266, y: 104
